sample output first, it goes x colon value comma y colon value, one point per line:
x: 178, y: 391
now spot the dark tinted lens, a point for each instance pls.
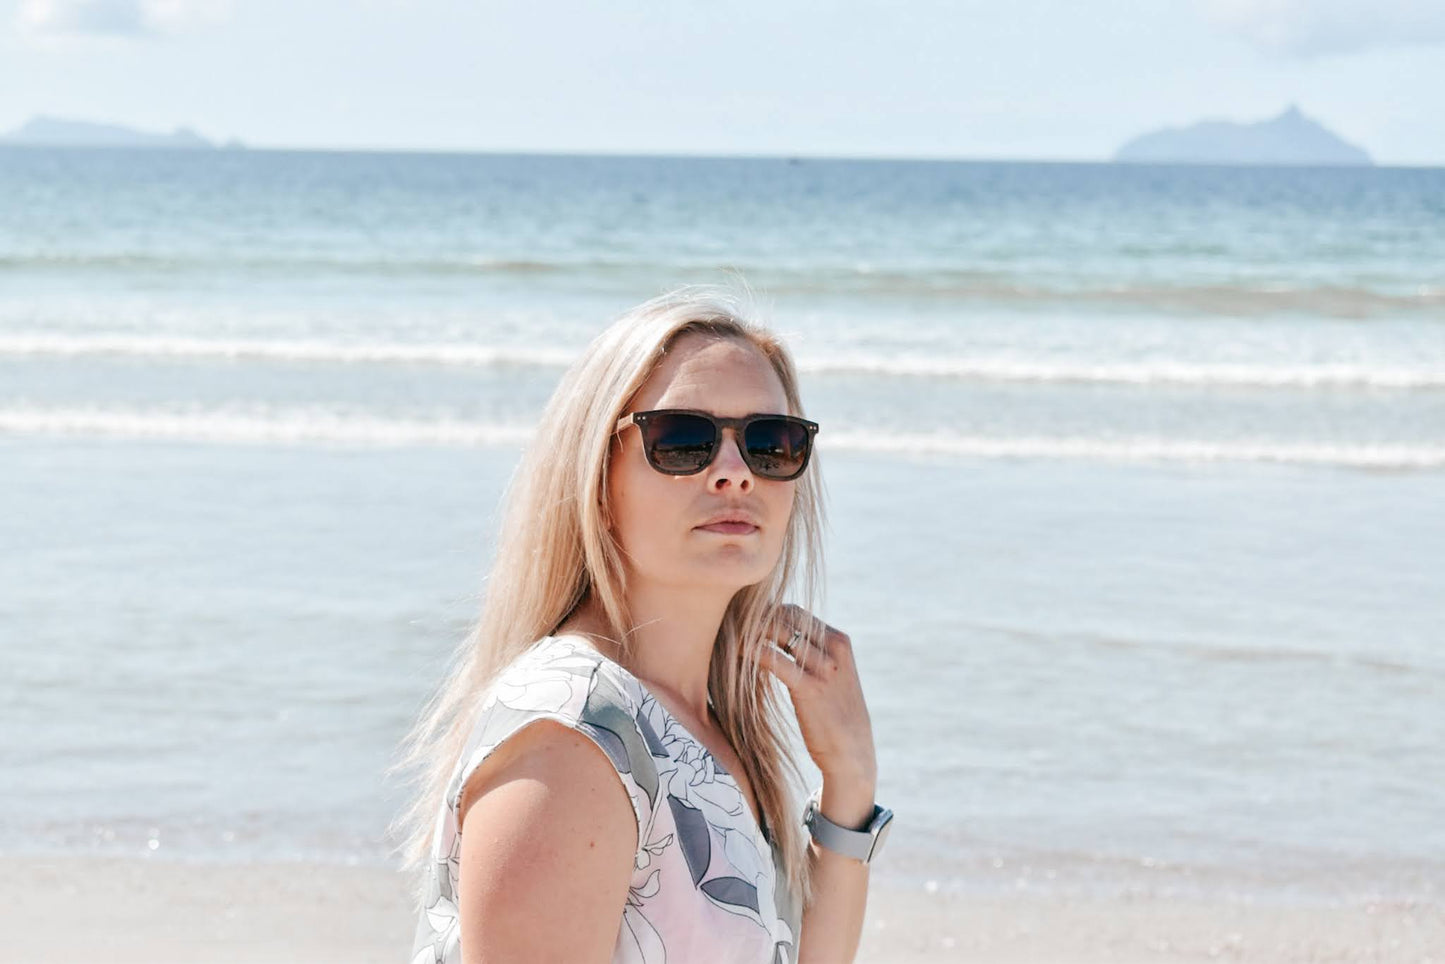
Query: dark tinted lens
x: 777, y: 448
x: 680, y: 443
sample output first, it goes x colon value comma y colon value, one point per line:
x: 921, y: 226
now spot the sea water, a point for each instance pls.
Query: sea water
x: 1136, y: 483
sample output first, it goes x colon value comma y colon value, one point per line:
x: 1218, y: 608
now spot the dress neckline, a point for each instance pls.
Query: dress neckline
x: 718, y: 766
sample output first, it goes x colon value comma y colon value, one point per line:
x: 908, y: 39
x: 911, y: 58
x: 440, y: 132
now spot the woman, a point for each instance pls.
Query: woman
x: 611, y: 738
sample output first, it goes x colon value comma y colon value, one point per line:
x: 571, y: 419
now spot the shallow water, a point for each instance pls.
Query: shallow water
x: 1135, y: 480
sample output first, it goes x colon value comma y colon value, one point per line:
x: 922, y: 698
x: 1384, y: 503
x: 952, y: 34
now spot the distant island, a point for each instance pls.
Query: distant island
x: 1290, y: 138
x: 54, y: 132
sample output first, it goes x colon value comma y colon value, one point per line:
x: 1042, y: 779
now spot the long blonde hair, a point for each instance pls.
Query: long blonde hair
x: 554, y: 548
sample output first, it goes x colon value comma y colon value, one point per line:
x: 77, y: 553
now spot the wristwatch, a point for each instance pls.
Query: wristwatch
x: 861, y: 845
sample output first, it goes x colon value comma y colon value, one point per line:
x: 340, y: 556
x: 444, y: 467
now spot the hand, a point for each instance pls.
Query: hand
x: 827, y: 696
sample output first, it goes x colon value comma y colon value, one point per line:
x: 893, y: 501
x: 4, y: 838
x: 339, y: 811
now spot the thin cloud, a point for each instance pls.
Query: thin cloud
x: 115, y: 18
x: 82, y: 17
x: 1312, y: 28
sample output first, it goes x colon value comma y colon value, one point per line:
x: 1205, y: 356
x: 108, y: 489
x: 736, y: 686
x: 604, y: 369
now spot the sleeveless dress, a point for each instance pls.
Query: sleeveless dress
x: 706, y: 884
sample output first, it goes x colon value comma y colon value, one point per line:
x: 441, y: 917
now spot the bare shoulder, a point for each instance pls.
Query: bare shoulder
x: 547, y: 850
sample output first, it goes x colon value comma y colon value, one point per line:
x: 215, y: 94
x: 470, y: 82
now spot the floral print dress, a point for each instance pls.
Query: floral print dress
x: 706, y: 883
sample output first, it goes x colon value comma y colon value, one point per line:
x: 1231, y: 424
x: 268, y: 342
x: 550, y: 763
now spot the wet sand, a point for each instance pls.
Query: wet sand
x: 146, y: 910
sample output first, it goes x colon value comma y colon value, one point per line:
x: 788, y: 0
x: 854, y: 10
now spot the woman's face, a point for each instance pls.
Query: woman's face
x: 657, y: 517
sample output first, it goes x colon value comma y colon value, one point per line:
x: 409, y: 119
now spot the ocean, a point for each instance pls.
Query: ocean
x: 1136, y: 481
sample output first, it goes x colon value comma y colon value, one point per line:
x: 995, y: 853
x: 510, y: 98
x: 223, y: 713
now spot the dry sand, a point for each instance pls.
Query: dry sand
x: 81, y: 909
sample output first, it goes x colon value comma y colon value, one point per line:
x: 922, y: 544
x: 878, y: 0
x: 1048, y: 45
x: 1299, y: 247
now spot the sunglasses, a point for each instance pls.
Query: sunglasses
x: 682, y: 441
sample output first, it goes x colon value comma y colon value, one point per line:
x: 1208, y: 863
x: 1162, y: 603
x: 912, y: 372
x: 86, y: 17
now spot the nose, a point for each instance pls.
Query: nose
x: 729, y: 467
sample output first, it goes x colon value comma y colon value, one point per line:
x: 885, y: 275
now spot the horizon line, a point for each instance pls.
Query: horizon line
x: 235, y: 145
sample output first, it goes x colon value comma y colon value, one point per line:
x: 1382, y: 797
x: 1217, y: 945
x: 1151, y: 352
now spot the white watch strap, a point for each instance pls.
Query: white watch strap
x: 858, y: 844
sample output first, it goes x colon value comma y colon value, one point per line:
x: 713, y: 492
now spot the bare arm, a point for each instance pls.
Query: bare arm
x: 833, y: 922
x: 547, y: 851
x: 822, y: 679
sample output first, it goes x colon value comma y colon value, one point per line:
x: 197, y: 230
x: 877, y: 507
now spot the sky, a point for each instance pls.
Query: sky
x: 1027, y: 79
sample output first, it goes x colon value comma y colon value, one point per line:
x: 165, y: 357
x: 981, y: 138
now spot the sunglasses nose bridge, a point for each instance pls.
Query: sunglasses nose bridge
x: 736, y: 445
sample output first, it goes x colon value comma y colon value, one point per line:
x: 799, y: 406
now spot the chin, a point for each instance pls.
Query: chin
x: 738, y: 574
x: 721, y: 570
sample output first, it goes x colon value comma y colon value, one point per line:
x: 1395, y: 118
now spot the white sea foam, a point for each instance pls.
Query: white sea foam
x: 1146, y: 450
x: 296, y: 426
x: 306, y: 426
x: 962, y: 368
x: 282, y: 350
x: 1202, y: 374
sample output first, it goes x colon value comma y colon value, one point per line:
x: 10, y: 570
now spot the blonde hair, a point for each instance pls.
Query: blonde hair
x: 554, y: 548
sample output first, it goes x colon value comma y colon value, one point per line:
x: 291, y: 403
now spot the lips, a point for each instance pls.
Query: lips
x: 730, y: 528
x: 734, y: 522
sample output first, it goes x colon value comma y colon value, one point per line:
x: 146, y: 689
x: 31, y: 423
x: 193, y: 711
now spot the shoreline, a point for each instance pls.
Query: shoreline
x: 132, y: 910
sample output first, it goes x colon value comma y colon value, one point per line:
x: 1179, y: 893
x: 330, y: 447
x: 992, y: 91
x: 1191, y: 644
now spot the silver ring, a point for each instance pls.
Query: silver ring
x: 793, y: 640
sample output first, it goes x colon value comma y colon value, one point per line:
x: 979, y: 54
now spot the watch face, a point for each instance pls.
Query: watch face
x: 881, y: 834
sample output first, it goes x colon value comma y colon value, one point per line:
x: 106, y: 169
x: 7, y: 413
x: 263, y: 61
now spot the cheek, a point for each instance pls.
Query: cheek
x: 646, y: 505
x: 783, y: 511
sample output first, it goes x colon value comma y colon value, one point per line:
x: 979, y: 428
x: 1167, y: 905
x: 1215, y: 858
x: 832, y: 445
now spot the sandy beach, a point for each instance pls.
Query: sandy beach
x: 137, y: 910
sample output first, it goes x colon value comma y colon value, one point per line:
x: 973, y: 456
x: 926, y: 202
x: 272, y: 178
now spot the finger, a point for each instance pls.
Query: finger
x: 811, y: 658
x: 817, y: 663
x: 780, y: 665
x: 783, y: 634
x: 789, y: 619
x: 803, y: 649
x: 832, y: 642
x: 817, y: 642
x: 796, y: 617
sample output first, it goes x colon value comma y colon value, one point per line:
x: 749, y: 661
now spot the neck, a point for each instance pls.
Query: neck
x: 671, y: 641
